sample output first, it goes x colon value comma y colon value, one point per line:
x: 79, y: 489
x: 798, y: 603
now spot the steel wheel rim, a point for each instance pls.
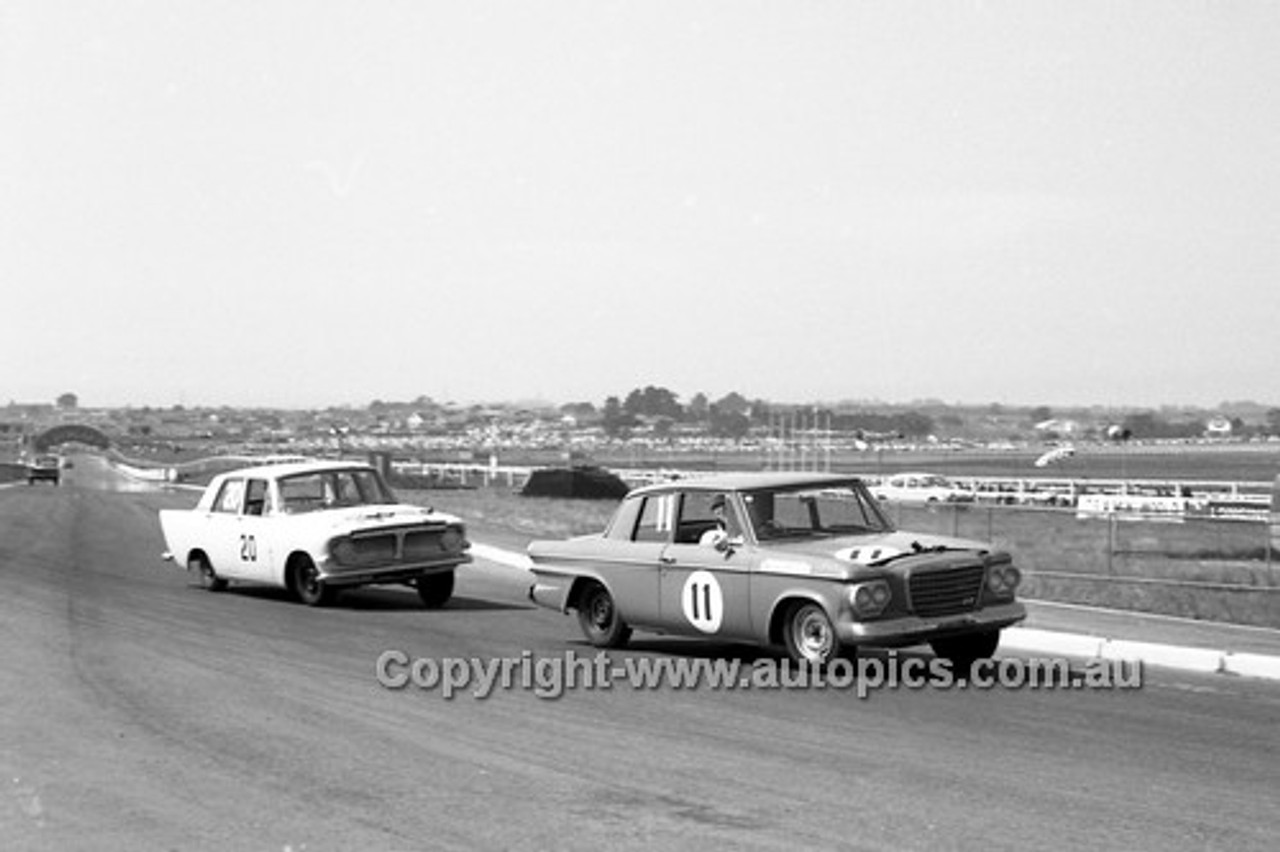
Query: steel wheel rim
x: 600, y: 611
x: 812, y: 635
x: 307, y: 580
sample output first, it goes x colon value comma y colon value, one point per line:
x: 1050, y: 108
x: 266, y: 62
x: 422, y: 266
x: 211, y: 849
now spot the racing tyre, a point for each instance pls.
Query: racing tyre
x: 434, y: 590
x: 204, y: 573
x: 599, y: 619
x: 964, y: 651
x: 306, y: 582
x: 809, y: 635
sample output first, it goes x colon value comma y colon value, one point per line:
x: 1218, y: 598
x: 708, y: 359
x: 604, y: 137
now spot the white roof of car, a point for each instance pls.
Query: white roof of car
x: 275, y: 471
x: 750, y: 481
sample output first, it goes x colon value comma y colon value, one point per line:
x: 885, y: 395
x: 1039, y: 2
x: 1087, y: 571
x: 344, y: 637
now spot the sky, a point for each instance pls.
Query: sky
x: 299, y: 204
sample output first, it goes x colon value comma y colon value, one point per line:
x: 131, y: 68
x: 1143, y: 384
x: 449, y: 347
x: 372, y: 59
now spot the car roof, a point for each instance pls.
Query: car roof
x: 275, y: 471
x: 749, y: 481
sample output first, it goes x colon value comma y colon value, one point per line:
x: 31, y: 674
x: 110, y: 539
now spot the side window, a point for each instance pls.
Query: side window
x: 255, y: 497
x: 697, y: 516
x: 348, y: 490
x: 655, y: 518
x: 230, y: 498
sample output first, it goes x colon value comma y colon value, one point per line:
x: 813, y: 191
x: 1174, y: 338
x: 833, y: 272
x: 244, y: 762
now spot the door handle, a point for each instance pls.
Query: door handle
x: 667, y: 560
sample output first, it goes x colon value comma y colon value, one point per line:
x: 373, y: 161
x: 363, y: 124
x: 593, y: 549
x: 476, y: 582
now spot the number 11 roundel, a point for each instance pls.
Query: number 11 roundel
x: 703, y: 601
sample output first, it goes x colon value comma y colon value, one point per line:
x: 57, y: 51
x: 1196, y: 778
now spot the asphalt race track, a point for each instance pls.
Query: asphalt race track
x: 141, y: 712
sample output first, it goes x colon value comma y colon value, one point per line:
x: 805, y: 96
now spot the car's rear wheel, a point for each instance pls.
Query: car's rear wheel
x: 205, y: 574
x: 809, y: 635
x: 964, y: 651
x: 434, y: 590
x: 306, y: 582
x: 599, y: 619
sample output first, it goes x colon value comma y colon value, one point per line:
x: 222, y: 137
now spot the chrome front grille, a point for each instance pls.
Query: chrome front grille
x: 424, y: 545
x: 399, y: 545
x: 374, y: 549
x: 946, y: 591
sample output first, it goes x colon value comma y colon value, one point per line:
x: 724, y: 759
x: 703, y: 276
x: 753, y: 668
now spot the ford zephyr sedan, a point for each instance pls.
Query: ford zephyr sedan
x: 803, y: 562
x: 314, y: 528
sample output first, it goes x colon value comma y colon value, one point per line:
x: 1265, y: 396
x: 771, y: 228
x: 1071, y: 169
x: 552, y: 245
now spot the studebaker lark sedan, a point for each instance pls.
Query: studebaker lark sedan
x: 806, y: 563
x: 314, y: 528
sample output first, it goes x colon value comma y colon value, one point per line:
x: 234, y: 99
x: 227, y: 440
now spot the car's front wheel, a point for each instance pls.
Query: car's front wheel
x: 964, y: 651
x: 306, y: 582
x: 204, y: 572
x: 434, y: 590
x: 599, y: 619
x: 809, y: 635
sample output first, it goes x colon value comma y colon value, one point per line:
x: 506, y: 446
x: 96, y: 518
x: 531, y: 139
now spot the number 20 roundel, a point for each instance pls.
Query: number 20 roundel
x: 703, y: 601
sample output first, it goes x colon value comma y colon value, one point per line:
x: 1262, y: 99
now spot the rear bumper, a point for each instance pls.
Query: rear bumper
x: 553, y: 593
x: 912, y: 630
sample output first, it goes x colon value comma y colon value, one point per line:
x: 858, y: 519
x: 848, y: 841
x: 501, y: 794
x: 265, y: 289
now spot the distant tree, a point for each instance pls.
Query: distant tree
x: 1041, y: 413
x: 699, y: 408
x: 1148, y: 425
x: 915, y: 423
x: 654, y: 402
x: 733, y: 403
x: 1143, y: 424
x: 1273, y: 421
x: 615, y: 419
x: 68, y: 400
x: 729, y: 424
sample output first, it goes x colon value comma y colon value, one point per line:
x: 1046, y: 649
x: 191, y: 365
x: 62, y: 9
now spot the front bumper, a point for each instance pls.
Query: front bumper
x: 335, y: 575
x: 913, y: 630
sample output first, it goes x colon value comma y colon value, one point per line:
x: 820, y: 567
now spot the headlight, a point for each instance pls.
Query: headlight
x: 1002, y: 580
x: 453, y: 540
x: 343, y: 551
x: 870, y: 598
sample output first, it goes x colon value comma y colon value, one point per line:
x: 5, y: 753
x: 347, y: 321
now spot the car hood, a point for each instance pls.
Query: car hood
x: 376, y: 517
x: 878, y: 547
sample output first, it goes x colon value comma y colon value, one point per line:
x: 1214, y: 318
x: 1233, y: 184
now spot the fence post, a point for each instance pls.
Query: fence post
x: 1111, y: 542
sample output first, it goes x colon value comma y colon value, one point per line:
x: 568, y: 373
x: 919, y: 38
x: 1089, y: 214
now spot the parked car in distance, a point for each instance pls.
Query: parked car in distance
x: 921, y: 488
x: 806, y: 563
x: 45, y: 467
x: 314, y: 528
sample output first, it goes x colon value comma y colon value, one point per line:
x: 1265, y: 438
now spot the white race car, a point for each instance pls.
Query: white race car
x: 921, y: 488
x: 314, y: 528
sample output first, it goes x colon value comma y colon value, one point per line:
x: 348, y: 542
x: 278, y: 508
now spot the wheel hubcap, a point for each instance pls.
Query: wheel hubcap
x: 813, y: 636
x: 601, y: 612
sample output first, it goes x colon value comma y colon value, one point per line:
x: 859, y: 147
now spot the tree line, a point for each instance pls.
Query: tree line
x: 734, y: 416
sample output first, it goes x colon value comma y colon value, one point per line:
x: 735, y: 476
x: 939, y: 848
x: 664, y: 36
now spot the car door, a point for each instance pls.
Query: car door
x: 705, y: 590
x: 222, y: 529
x: 253, y: 532
x: 633, y: 552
